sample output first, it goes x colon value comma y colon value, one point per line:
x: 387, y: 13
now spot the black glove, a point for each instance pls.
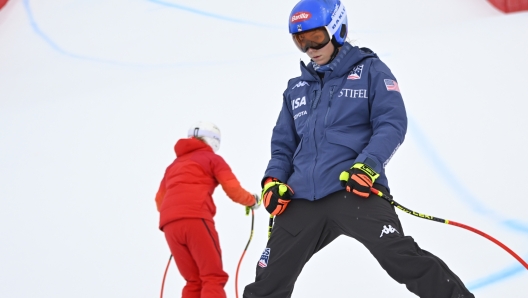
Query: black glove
x: 276, y: 196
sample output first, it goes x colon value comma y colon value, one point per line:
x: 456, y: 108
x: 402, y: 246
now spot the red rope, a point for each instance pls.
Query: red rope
x: 492, y: 239
x: 236, y: 276
x: 165, y: 275
x: 245, y: 249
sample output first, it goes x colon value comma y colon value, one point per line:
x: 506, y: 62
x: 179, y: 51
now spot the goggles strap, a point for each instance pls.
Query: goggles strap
x: 336, y: 50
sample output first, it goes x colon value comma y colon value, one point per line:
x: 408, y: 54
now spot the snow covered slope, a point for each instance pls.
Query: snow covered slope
x: 93, y: 95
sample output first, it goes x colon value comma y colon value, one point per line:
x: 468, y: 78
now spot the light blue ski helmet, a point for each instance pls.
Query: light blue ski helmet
x: 311, y: 14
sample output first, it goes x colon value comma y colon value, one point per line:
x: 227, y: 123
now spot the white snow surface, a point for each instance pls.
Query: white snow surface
x: 94, y: 94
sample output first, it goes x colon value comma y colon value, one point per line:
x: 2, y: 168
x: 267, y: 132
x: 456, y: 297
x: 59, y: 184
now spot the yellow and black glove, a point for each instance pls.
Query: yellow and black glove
x: 276, y: 196
x: 258, y: 202
x: 359, y: 179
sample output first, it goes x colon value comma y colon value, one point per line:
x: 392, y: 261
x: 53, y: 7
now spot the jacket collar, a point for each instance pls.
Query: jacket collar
x: 184, y: 146
x: 348, y: 56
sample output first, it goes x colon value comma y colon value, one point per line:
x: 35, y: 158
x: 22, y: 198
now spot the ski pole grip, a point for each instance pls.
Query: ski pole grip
x: 375, y: 191
x: 387, y: 197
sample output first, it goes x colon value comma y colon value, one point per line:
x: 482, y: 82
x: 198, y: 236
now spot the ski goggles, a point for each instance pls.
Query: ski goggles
x: 316, y: 39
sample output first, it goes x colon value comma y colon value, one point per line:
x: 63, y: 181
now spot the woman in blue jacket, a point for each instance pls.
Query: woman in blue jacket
x: 341, y: 122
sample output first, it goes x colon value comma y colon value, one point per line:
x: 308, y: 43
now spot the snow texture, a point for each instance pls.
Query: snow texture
x: 94, y: 94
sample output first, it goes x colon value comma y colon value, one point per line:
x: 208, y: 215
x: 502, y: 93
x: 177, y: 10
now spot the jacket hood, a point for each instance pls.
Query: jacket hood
x: 184, y: 146
x: 348, y: 56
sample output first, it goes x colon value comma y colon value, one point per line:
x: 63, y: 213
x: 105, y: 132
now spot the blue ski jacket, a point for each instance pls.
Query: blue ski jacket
x: 354, y: 114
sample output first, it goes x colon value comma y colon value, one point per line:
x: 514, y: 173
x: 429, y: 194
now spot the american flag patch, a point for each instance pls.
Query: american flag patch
x: 264, y: 258
x: 391, y: 85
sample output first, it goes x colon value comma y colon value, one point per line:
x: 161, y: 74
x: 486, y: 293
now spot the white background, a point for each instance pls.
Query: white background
x: 94, y: 94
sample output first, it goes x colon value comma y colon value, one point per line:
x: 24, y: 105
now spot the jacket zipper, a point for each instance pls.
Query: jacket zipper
x: 314, y: 106
x: 329, y: 104
x: 317, y: 96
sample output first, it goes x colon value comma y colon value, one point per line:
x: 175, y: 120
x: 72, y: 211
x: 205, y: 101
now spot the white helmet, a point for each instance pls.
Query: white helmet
x: 209, y: 132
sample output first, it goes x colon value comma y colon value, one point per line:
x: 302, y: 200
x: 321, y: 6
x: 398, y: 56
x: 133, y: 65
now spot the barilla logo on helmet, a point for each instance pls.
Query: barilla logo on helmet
x: 300, y: 16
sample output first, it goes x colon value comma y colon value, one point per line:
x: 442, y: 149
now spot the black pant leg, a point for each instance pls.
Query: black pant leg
x: 375, y: 224
x: 298, y: 233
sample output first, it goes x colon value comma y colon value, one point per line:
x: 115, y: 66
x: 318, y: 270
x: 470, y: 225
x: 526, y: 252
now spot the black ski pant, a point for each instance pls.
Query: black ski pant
x: 308, y: 226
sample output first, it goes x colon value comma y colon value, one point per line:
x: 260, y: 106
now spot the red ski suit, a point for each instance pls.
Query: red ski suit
x: 186, y: 207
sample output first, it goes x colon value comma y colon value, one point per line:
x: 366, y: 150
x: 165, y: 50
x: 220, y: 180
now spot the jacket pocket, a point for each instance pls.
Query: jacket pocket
x: 289, y: 224
x: 350, y: 139
x: 299, y: 147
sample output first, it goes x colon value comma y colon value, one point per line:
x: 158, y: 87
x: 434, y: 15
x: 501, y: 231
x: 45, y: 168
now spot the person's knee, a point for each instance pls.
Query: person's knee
x: 396, y: 249
x: 214, y: 280
x: 213, y: 286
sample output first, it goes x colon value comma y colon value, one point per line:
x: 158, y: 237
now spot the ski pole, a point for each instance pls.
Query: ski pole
x: 270, y: 226
x: 245, y: 249
x: 388, y: 198
x: 165, y: 275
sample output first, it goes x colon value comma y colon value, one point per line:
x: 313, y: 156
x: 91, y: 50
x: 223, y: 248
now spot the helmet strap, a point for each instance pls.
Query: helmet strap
x: 336, y: 49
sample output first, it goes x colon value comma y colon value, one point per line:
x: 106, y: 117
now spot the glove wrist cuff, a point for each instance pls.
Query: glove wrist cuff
x: 373, y: 175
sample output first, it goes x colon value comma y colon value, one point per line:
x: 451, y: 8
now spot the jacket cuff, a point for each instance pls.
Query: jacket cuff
x: 369, y: 161
x: 277, y: 174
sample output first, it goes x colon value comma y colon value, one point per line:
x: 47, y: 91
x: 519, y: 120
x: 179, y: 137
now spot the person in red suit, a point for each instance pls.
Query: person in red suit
x: 184, y: 201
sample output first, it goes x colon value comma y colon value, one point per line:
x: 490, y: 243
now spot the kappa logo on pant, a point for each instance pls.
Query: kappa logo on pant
x: 387, y: 230
x: 264, y: 258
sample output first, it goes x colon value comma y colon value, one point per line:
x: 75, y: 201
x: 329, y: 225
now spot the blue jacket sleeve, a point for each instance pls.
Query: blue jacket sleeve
x: 388, y: 118
x: 284, y: 141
